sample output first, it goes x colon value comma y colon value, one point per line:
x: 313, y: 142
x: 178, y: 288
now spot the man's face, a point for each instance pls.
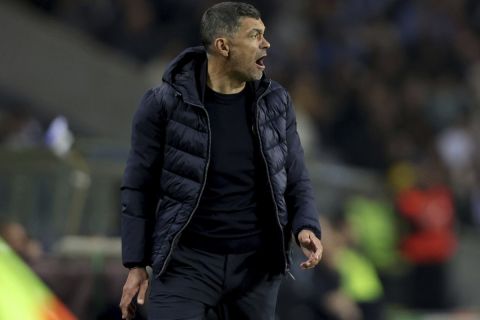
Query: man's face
x: 248, y: 48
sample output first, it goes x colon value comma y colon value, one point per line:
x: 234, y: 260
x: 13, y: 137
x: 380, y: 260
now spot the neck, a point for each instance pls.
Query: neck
x: 220, y: 80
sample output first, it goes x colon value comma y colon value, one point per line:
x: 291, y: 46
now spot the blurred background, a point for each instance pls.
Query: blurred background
x: 387, y: 95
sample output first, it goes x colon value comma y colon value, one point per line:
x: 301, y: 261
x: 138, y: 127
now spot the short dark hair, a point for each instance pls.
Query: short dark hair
x: 224, y: 19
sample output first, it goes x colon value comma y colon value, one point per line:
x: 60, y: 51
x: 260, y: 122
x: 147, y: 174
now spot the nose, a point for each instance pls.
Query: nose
x: 265, y: 44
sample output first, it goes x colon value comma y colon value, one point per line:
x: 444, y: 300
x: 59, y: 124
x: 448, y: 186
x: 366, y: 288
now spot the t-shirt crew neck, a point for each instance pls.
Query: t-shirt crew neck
x: 226, y: 220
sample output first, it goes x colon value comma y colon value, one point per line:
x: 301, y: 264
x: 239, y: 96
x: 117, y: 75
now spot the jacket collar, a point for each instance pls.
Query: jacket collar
x: 187, y: 73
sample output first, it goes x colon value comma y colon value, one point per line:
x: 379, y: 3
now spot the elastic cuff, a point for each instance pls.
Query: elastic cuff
x: 133, y: 265
x: 136, y: 267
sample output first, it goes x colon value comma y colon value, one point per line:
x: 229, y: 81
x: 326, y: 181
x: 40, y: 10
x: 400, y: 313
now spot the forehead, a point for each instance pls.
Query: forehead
x: 247, y: 24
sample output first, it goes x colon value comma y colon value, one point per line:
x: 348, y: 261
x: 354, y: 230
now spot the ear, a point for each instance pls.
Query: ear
x: 221, y: 46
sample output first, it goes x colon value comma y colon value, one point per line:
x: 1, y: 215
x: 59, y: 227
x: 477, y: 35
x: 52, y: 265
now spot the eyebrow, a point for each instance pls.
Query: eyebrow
x: 256, y: 30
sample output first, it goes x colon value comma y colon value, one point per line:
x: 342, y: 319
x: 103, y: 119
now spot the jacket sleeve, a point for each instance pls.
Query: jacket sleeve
x: 140, y: 185
x: 299, y: 194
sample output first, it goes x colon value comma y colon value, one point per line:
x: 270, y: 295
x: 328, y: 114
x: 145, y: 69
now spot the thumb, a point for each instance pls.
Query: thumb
x: 142, y: 292
x: 304, y: 238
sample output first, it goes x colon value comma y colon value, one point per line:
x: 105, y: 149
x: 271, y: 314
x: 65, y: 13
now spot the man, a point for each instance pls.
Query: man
x: 215, y: 182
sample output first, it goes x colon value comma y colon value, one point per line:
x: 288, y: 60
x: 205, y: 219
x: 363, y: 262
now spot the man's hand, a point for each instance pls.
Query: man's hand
x: 137, y: 282
x: 311, y: 247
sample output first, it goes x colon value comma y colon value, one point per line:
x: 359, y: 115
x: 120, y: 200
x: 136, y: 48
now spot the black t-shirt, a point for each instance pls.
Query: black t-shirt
x: 226, y: 220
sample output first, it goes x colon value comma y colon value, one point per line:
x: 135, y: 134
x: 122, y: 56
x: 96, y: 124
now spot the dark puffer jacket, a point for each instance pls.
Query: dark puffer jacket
x: 169, y: 158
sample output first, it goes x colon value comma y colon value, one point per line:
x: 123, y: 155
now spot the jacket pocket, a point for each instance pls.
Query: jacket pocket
x: 167, y: 210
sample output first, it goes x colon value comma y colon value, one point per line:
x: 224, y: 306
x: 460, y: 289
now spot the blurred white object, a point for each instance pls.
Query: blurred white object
x: 59, y: 138
x: 456, y: 147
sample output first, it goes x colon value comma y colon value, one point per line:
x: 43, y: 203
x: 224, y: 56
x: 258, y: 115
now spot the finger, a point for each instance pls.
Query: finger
x: 125, y: 313
x: 315, y: 246
x: 128, y: 293
x: 318, y: 254
x: 124, y: 310
x: 318, y: 249
x: 126, y: 300
x: 309, y: 248
x: 306, y: 265
x: 304, y: 239
x: 124, y: 307
x: 309, y: 263
x: 142, y: 292
x: 313, y: 258
x: 131, y: 310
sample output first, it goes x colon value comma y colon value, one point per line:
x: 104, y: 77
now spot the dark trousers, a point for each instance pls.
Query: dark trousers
x: 233, y: 286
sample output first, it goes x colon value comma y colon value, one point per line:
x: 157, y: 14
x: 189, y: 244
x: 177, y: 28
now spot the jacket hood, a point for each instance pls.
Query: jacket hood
x: 187, y: 73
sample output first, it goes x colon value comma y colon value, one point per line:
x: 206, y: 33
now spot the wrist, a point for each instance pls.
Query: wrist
x: 136, y: 267
x: 311, y: 229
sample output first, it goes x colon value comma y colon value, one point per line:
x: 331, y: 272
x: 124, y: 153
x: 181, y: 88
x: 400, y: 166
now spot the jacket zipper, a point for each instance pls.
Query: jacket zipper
x: 175, y: 238
x: 286, y: 269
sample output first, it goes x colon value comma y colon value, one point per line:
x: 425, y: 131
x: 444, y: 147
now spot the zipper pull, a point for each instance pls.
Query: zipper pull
x: 291, y: 275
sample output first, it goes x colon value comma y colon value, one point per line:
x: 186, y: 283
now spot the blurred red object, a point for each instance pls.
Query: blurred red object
x: 430, y: 213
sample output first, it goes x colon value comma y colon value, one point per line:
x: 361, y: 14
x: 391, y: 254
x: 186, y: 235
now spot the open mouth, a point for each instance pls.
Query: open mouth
x: 260, y: 63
